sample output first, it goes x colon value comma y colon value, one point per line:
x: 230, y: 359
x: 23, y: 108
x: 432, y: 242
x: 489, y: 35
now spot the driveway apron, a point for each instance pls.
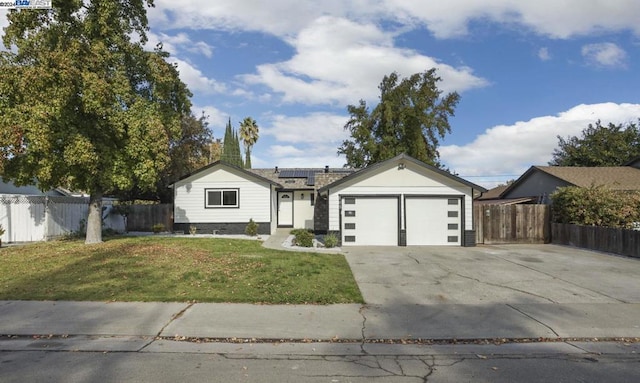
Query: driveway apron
x: 497, y: 291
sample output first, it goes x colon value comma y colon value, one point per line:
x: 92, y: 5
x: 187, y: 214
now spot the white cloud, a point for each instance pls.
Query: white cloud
x: 543, y: 54
x: 303, y: 141
x: 178, y: 43
x: 445, y: 19
x: 557, y: 19
x: 3, y: 18
x: 217, y: 119
x: 338, y: 62
x: 311, y: 156
x: 607, y: 55
x: 285, y: 151
x: 313, y: 128
x: 506, y: 151
x: 194, y: 78
x: 278, y: 17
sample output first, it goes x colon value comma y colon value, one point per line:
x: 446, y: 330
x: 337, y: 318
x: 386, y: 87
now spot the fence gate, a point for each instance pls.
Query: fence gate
x: 502, y: 224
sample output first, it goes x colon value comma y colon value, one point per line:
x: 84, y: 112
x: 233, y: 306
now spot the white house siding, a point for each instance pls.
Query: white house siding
x: 413, y: 180
x: 254, y: 198
x: 302, y: 209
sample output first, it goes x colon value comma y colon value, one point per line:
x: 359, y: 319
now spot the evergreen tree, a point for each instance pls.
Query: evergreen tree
x: 411, y: 117
x: 231, y: 147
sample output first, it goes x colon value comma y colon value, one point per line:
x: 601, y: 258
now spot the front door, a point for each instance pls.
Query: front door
x: 285, y: 209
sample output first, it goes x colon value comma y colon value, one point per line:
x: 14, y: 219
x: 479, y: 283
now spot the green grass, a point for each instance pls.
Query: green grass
x: 173, y: 270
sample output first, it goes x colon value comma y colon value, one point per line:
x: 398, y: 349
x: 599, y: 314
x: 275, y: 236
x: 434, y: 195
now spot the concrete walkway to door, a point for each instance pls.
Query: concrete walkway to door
x: 276, y: 239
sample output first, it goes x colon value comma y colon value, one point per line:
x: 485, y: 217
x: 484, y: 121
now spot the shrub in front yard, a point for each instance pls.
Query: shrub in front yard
x: 252, y: 228
x: 303, y: 237
x: 157, y: 228
x: 330, y: 240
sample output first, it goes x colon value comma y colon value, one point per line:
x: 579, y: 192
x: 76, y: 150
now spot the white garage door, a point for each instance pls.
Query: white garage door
x: 433, y: 221
x: 369, y: 221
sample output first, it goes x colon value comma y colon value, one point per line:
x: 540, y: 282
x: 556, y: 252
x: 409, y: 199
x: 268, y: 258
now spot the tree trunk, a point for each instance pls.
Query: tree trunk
x: 94, y: 220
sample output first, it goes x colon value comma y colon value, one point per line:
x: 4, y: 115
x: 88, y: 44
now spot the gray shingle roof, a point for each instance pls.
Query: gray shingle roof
x: 318, y: 176
x: 615, y: 177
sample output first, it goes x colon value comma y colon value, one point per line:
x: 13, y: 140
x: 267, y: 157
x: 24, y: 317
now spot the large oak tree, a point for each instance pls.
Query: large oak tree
x: 82, y: 104
x: 411, y: 117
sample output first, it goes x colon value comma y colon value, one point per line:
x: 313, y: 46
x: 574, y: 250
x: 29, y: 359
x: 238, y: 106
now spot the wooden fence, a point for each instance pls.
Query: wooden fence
x: 501, y: 224
x: 609, y: 240
x: 143, y: 217
x: 41, y: 218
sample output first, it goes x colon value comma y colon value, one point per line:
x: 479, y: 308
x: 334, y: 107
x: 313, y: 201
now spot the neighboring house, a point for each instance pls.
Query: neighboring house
x: 9, y: 188
x: 492, y: 197
x: 398, y: 202
x: 539, y: 182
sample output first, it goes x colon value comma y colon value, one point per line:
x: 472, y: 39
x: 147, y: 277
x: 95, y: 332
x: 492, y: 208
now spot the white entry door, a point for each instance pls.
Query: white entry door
x: 285, y: 209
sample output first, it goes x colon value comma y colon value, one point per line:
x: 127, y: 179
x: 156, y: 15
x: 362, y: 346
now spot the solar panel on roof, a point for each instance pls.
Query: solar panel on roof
x: 311, y: 180
x: 286, y: 174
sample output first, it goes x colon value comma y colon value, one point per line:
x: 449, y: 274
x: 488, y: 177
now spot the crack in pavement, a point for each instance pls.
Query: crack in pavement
x: 535, y: 319
x: 558, y: 278
x: 451, y: 272
x: 376, y: 363
x: 173, y: 318
x: 364, y: 327
x: 412, y: 257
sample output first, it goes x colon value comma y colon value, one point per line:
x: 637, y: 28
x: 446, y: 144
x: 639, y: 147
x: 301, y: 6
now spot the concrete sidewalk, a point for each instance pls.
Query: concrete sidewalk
x: 351, y: 322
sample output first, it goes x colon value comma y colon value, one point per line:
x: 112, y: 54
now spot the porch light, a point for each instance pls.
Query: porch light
x: 401, y: 166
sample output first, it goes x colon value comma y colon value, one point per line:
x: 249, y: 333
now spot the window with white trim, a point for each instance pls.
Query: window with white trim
x: 221, y: 198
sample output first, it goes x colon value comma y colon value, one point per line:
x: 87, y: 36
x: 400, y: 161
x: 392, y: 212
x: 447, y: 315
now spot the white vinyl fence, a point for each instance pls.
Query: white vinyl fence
x: 41, y: 218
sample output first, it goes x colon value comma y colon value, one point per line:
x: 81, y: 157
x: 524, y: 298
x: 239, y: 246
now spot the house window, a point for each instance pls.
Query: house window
x: 453, y: 226
x: 349, y: 213
x: 349, y: 238
x: 349, y: 201
x: 452, y: 201
x: 452, y: 214
x: 221, y: 198
x: 452, y: 238
x: 349, y: 226
x: 313, y: 198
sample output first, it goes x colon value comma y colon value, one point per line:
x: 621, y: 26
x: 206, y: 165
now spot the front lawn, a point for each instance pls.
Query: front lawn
x: 173, y: 269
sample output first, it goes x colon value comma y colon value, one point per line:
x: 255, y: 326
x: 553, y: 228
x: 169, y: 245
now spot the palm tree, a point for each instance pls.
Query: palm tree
x: 249, y: 134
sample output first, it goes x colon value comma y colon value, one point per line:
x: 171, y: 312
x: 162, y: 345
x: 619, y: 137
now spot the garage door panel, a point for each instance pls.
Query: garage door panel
x: 370, y: 221
x: 433, y: 221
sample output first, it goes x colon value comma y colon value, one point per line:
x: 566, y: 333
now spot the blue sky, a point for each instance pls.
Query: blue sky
x: 526, y: 71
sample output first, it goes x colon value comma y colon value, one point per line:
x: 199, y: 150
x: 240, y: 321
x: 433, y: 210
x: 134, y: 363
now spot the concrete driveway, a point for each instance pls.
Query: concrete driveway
x: 493, y: 275
x: 513, y: 291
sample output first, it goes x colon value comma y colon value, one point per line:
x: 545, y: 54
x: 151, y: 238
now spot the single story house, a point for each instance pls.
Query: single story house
x: 9, y: 188
x: 539, y: 182
x: 397, y: 202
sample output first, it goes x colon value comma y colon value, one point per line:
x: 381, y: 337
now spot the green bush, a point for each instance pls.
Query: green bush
x: 596, y: 206
x: 296, y: 231
x: 252, y: 228
x: 157, y: 228
x: 303, y: 237
x: 330, y: 240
